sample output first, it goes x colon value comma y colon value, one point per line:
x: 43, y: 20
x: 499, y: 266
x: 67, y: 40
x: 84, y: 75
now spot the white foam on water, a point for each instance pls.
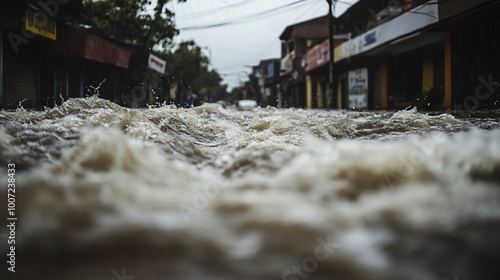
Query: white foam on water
x: 218, y: 193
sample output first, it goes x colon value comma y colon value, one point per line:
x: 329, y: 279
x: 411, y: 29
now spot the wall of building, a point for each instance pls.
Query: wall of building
x: 20, y: 76
x: 476, y: 60
x: 42, y: 69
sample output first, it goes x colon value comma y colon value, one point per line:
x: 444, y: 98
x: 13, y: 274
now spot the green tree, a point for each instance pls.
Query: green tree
x: 189, y: 68
x: 140, y: 22
x: 135, y: 21
x: 185, y: 64
x: 208, y: 83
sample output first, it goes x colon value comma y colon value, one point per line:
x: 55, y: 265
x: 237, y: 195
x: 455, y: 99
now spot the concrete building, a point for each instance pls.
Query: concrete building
x: 430, y: 54
x: 270, y: 80
x: 50, y: 52
x: 317, y: 70
x: 296, y: 39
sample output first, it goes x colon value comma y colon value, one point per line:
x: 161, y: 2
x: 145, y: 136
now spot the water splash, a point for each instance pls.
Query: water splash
x: 404, y: 195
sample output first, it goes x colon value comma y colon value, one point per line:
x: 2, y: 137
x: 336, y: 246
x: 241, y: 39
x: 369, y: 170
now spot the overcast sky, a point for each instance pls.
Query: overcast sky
x: 235, y: 46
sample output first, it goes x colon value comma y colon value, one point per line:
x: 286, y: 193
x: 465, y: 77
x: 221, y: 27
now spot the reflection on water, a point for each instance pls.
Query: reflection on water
x: 213, y: 193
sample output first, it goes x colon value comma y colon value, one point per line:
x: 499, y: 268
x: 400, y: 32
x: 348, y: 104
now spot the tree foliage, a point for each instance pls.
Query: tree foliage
x: 190, y: 70
x: 135, y: 21
x: 140, y: 23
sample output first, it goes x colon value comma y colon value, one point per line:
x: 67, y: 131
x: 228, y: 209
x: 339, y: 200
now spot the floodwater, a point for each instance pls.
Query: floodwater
x: 105, y: 192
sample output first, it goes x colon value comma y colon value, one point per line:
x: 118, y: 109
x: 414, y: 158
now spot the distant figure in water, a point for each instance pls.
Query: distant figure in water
x: 192, y: 101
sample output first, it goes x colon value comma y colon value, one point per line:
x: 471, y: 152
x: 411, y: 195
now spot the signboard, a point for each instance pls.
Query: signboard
x: 318, y: 56
x: 358, y: 88
x: 407, y: 23
x: 157, y: 63
x: 41, y: 25
x: 98, y: 49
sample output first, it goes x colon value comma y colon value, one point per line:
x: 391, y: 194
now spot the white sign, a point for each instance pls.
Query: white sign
x: 358, y: 88
x: 418, y: 18
x: 157, y: 63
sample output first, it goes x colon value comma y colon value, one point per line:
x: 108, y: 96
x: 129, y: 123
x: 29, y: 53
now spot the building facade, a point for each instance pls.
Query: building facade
x: 431, y: 54
x: 270, y: 73
x: 296, y: 40
x: 50, y: 52
x: 317, y: 69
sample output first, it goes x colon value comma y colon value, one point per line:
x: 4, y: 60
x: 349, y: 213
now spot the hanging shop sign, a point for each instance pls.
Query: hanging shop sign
x: 318, y: 56
x: 389, y: 31
x: 157, y: 63
x: 41, y: 24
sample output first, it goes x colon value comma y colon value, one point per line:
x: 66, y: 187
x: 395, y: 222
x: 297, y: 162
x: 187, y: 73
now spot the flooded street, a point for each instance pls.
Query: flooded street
x: 106, y: 192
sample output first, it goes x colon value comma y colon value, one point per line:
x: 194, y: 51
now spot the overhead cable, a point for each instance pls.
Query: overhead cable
x: 252, y: 17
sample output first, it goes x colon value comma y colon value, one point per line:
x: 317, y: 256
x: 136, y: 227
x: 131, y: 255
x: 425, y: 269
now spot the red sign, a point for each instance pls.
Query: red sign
x: 318, y: 56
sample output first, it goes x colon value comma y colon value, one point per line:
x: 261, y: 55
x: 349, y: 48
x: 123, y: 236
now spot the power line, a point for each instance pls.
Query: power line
x: 269, y: 46
x: 236, y: 76
x: 239, y: 64
x: 217, y: 10
x: 239, y: 73
x: 252, y: 17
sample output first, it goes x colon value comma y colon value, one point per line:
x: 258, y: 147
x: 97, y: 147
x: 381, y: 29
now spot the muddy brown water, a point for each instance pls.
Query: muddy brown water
x: 105, y: 192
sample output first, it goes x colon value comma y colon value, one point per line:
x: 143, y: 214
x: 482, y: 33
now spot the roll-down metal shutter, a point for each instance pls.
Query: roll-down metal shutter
x: 20, y: 79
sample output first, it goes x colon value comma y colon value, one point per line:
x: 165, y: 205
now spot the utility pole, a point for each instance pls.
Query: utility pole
x: 332, y: 51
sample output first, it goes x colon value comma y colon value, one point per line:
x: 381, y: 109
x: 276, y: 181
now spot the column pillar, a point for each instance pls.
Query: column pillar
x: 384, y: 84
x: 309, y: 92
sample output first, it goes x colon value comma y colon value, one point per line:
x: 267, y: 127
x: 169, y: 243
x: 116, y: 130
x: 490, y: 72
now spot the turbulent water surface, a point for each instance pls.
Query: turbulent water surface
x: 105, y: 192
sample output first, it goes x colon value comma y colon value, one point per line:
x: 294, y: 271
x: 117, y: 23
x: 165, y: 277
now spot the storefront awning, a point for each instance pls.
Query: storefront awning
x: 95, y: 48
x: 318, y: 56
x: 390, y: 31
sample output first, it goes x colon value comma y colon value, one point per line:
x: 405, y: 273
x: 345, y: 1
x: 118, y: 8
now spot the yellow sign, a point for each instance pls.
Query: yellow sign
x: 40, y: 23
